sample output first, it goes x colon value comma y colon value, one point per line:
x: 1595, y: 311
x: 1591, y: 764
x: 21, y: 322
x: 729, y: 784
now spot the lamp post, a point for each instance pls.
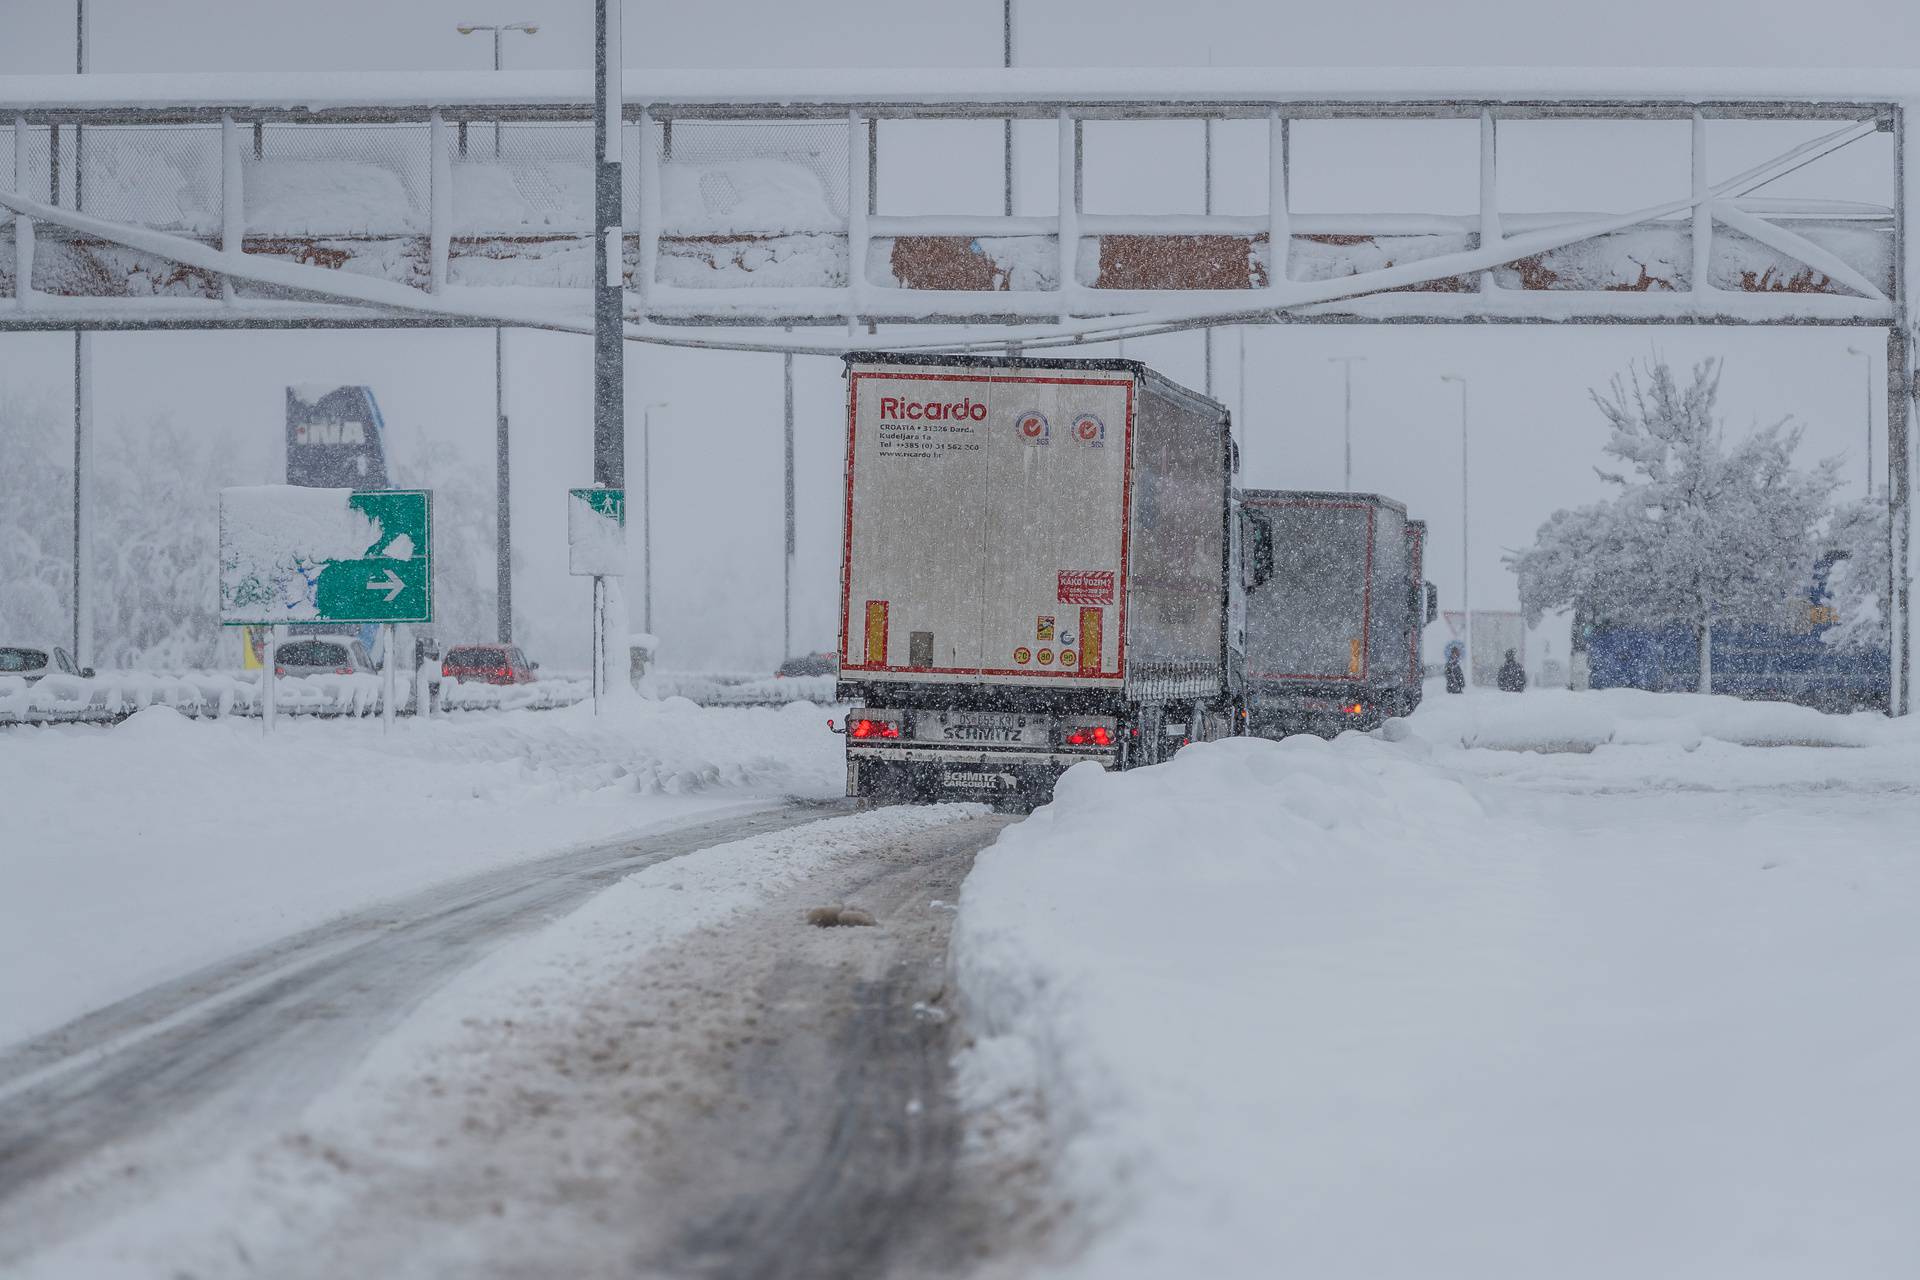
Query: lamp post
x: 1348, y: 362
x: 468, y: 28
x: 503, y: 487
x: 1466, y: 599
x: 1868, y: 353
x: 646, y: 512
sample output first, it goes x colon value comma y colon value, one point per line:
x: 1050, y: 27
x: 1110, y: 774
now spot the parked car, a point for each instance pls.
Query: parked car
x: 322, y: 656
x: 810, y: 664
x: 30, y: 662
x: 488, y: 664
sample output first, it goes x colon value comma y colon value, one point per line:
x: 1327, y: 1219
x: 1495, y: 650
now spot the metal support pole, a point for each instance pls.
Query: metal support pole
x: 22, y: 224
x: 1490, y: 233
x: 1702, y: 211
x: 389, y: 685
x: 1206, y: 201
x: 1347, y: 363
x: 1067, y: 171
x: 1466, y: 560
x: 609, y: 349
x: 83, y: 478
x: 83, y: 482
x: 1899, y: 521
x: 440, y: 203
x: 1900, y: 408
x: 233, y: 207
x: 609, y: 292
x: 1006, y: 60
x: 786, y: 608
x: 269, y: 695
x: 646, y: 518
x: 502, y: 496
x: 859, y: 178
x: 1240, y: 401
x: 1279, y: 211
x: 599, y: 641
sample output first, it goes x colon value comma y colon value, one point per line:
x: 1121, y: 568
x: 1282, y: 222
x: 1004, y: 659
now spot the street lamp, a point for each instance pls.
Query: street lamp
x: 1859, y: 351
x: 1466, y: 605
x: 468, y: 28
x: 646, y: 512
x: 502, y: 507
x: 1348, y: 362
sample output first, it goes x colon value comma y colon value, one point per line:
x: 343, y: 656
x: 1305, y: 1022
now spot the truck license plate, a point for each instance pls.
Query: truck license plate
x: 979, y: 780
x: 982, y: 728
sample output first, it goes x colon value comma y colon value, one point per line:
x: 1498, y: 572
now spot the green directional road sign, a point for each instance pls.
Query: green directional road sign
x: 305, y: 555
x: 394, y: 582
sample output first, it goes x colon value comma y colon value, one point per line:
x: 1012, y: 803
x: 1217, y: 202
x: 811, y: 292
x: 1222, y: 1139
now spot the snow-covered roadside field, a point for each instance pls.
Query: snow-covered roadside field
x: 137, y: 853
x: 1403, y: 1008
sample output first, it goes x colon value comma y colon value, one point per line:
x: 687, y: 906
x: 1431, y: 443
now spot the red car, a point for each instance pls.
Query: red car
x: 488, y: 664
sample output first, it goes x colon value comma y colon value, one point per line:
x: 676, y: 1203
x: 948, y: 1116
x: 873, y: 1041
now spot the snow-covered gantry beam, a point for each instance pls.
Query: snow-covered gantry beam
x: 752, y: 202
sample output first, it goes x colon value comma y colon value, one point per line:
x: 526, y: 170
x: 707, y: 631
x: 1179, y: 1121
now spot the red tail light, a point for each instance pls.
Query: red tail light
x: 1097, y: 736
x: 343, y: 671
x: 1102, y: 737
x: 875, y: 729
x: 503, y: 672
x: 446, y: 668
x: 279, y: 671
x: 1355, y: 709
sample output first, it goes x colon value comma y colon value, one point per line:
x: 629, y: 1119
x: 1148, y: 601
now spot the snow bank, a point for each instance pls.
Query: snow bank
x: 1560, y: 720
x: 137, y: 853
x: 1335, y: 1010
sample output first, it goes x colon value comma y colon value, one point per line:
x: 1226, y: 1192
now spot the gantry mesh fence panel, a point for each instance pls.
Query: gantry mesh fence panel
x: 752, y: 177
x: 340, y: 180
x: 162, y: 176
x: 523, y: 178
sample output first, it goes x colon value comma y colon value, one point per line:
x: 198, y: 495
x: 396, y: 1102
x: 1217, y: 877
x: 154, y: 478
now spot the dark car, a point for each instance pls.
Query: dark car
x: 811, y: 664
x: 30, y: 662
x: 322, y: 657
x: 488, y: 664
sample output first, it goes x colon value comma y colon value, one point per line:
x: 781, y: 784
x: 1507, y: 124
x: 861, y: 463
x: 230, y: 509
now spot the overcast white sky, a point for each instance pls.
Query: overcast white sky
x: 717, y: 443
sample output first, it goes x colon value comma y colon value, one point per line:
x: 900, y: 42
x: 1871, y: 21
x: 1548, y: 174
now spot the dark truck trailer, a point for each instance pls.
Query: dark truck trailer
x: 1333, y: 634
x: 1040, y: 567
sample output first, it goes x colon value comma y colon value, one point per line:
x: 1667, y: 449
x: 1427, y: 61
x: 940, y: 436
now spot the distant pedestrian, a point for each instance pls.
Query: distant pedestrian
x: 1456, y: 678
x: 1513, y: 676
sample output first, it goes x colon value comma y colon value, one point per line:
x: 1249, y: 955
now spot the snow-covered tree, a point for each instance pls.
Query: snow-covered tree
x: 1857, y: 584
x: 1700, y: 532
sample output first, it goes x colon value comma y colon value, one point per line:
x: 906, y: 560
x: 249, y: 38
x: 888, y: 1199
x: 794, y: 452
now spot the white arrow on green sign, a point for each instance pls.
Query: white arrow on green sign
x: 293, y: 554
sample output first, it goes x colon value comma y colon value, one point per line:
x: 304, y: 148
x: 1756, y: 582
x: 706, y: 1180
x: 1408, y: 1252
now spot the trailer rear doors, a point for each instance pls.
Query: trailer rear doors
x: 986, y: 523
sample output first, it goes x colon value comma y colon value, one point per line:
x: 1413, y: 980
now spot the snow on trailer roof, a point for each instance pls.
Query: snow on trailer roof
x: 1433, y: 89
x: 1145, y: 372
x: 1290, y: 497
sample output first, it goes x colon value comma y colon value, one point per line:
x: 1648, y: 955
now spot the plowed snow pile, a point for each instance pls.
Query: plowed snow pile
x: 134, y: 854
x: 1377, y: 1009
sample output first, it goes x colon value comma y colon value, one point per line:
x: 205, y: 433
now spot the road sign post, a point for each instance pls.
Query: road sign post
x: 325, y: 556
x: 597, y: 548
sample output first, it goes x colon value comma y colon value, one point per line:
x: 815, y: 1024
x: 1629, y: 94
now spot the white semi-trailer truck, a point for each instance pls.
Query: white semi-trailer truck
x: 1041, y: 567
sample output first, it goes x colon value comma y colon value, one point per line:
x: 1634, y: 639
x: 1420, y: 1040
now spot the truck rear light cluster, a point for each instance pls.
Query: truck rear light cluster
x: 873, y: 729
x: 1355, y: 708
x: 1093, y: 736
